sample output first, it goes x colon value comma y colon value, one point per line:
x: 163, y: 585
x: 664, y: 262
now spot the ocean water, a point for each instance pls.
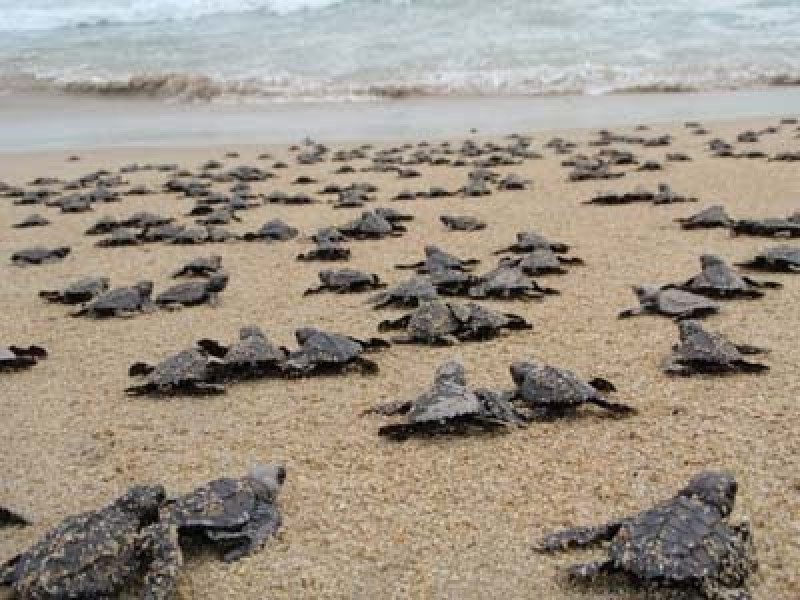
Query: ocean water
x: 294, y: 50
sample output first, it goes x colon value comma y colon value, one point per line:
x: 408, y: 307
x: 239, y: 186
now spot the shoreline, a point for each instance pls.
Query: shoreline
x: 39, y: 122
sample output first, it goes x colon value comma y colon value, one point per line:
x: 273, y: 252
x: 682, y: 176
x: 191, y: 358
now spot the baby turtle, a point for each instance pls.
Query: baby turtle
x: 202, y: 266
x: 718, y: 280
x: 448, y: 407
x: 187, y: 372
x: 321, y: 352
x: 684, y: 542
x: 96, y: 554
x: 437, y: 259
x: 513, y: 182
x: 346, y: 281
x: 549, y: 392
x: 713, y: 216
x: 326, y: 250
x: 778, y: 259
x: 120, y: 237
x: 274, y: 230
x: 194, y: 293
x: 444, y: 323
x: 462, y: 223
x: 701, y: 351
x: 78, y: 292
x: 507, y: 282
x: 670, y: 302
x: 10, y: 518
x: 371, y: 226
x: 528, y: 241
x: 120, y: 302
x: 34, y: 220
x: 13, y: 358
x: 392, y: 215
x: 238, y: 515
x: 767, y: 228
x: 408, y: 294
x: 252, y: 356
x: 38, y: 255
x: 541, y: 261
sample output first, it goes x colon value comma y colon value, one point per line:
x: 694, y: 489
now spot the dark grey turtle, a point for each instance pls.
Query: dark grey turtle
x: 441, y: 323
x: 678, y: 157
x: 322, y: 352
x: 328, y: 234
x: 665, y: 195
x: 187, y: 372
x: 777, y: 259
x: 238, y: 515
x: 34, y: 220
x: 528, y: 241
x: 220, y: 216
x: 437, y: 259
x: 11, y: 518
x: 194, y: 293
x: 718, y: 280
x: 371, y: 226
x: 507, y: 282
x: 13, y: 358
x: 327, y: 251
x: 39, y: 255
x: 253, y: 355
x: 103, y: 226
x: 449, y: 282
x: 541, y: 261
x: 513, y: 182
x: 392, y: 215
x: 345, y: 281
x: 670, y: 302
x: 219, y: 235
x: 351, y: 198
x: 713, y: 216
x: 549, y: 392
x: 78, y: 203
x: 162, y: 233
x: 701, y: 351
x: 408, y: 294
x: 475, y: 188
x: 189, y: 235
x: 787, y: 228
x: 685, y: 542
x: 202, y: 266
x: 462, y: 223
x: 120, y: 237
x: 449, y: 407
x: 79, y: 291
x: 99, y: 553
x: 120, y: 302
x: 274, y: 230
x: 142, y: 220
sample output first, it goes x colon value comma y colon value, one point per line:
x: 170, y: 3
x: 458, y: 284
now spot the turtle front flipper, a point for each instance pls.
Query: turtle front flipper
x: 373, y: 344
x: 748, y: 349
x: 771, y: 285
x: 315, y: 290
x: 212, y: 347
x: 590, y: 570
x: 516, y: 322
x: 140, y: 369
x: 614, y: 407
x: 161, y: 554
x: 394, y: 324
x: 578, y: 537
x: 602, y: 385
x: 366, y: 366
x: 750, y: 367
x: 416, y: 265
x: 631, y: 312
x: 8, y: 571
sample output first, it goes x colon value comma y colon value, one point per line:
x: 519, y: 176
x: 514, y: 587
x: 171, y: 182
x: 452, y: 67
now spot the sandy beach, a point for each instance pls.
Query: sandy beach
x: 448, y: 517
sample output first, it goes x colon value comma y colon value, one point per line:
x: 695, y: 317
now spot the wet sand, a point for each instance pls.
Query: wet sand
x: 440, y: 518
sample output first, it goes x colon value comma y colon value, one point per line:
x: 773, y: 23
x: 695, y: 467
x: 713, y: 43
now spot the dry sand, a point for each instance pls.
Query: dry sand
x: 438, y: 518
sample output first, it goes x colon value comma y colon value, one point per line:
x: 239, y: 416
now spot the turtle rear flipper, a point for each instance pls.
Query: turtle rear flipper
x: 374, y: 344
x: 516, y: 322
x: 577, y: 537
x: 315, y: 290
x: 750, y: 367
x: 614, y: 407
x: 631, y: 312
x: 51, y: 295
x: 140, y: 369
x: 771, y: 285
x: 212, y: 347
x: 264, y: 522
x: 602, y: 385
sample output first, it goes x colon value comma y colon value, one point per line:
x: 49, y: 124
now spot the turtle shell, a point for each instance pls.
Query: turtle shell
x: 433, y: 320
x: 541, y: 384
x: 322, y: 347
x: 187, y: 366
x: 220, y: 504
x: 701, y: 346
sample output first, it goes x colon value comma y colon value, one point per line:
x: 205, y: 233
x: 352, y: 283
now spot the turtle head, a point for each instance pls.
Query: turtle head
x: 710, y: 260
x: 520, y: 369
x: 304, y: 333
x: 217, y: 282
x: 430, y: 250
x: 715, y: 488
x: 143, y: 500
x: 251, y: 331
x: 646, y: 291
x: 145, y: 288
x: 326, y: 274
x: 268, y: 479
x: 215, y: 260
x: 451, y: 372
x: 689, y: 328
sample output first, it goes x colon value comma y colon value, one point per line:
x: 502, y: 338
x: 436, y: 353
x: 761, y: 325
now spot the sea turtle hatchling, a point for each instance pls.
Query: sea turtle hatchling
x: 541, y: 261
x: 194, y: 293
x: 34, y: 220
x: 445, y: 323
x: 346, y: 281
x: 371, y: 226
x: 777, y: 259
x: 251, y: 356
x: 322, y: 352
x: 99, y: 553
x: 202, y: 266
x: 462, y: 223
x: 79, y: 291
x: 13, y: 358
x: 272, y: 231
x: 670, y: 302
x: 120, y: 302
x: 120, y: 237
x: 238, y: 515
x: 528, y: 241
x: 713, y: 216
x: 549, y: 392
x: 684, y: 542
x: 187, y: 372
x: 407, y: 294
x: 326, y: 250
x: 773, y: 227
x: 718, y: 280
x: 437, y: 259
x: 701, y: 351
x: 507, y: 283
x: 39, y: 255
x: 449, y: 407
